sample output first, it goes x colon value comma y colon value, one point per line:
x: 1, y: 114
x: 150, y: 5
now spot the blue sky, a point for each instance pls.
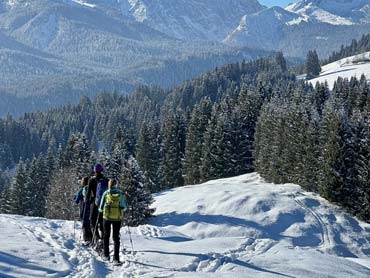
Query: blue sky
x: 282, y: 3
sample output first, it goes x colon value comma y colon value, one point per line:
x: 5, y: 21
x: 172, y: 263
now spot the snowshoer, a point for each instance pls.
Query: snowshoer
x: 111, y: 206
x: 80, y: 198
x: 97, y: 186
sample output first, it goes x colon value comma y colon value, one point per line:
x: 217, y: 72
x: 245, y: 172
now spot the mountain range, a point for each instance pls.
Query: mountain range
x: 54, y: 51
x: 308, y: 24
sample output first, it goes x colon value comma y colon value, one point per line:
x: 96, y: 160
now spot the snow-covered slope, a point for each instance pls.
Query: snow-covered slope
x: 236, y: 227
x: 353, y: 66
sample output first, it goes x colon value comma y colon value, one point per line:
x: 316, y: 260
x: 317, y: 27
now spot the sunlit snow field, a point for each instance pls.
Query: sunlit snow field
x: 353, y: 66
x: 236, y: 227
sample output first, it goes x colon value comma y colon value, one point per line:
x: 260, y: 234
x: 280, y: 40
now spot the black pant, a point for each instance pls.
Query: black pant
x: 86, y: 228
x: 107, y: 227
x: 94, y: 213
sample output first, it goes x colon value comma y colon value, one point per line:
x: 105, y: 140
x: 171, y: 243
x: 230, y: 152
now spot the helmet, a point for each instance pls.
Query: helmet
x: 98, y: 168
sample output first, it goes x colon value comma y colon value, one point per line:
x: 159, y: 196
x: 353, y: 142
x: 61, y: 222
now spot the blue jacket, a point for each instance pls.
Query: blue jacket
x: 78, y: 197
x: 123, y: 203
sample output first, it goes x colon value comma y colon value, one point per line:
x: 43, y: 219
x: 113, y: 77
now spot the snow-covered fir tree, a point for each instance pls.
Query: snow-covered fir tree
x: 199, y: 119
x: 19, y: 191
x: 138, y: 198
x: 313, y: 67
x: 148, y: 155
x: 332, y: 166
x: 173, y: 133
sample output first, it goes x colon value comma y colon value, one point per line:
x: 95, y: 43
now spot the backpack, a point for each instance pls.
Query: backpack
x: 78, y: 197
x: 84, y: 192
x: 102, y: 186
x: 112, y: 210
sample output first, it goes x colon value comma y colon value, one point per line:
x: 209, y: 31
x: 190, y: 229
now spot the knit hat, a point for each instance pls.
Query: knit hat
x: 98, y: 168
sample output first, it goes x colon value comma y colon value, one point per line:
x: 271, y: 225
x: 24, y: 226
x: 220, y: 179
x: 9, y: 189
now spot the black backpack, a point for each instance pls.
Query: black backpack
x: 101, y: 187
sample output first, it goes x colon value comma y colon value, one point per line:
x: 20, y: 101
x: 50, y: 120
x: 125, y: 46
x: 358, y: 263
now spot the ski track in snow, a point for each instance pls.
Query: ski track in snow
x: 237, y: 227
x: 325, y: 239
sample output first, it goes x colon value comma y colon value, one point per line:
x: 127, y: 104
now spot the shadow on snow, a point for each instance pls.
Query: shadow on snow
x: 19, y: 265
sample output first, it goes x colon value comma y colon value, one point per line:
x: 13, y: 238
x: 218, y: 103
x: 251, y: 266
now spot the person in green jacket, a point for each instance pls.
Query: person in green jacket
x: 111, y: 206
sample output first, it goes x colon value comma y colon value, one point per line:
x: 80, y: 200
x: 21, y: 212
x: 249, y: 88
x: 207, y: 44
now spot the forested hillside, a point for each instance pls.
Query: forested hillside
x: 233, y: 120
x: 356, y: 47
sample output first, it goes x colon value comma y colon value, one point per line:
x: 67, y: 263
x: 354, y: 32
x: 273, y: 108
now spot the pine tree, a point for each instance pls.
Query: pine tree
x: 6, y: 157
x: 332, y: 138
x: 118, y: 154
x: 271, y: 141
x: 82, y: 157
x: 310, y: 154
x: 18, y: 192
x: 356, y: 185
x: 138, y: 199
x: 5, y: 200
x: 50, y: 161
x: 4, y: 179
x: 173, y: 151
x: 225, y: 141
x: 321, y: 95
x: 313, y: 67
x: 148, y: 155
x: 245, y: 116
x: 28, y: 200
x: 59, y: 161
x: 194, y: 141
x: 262, y: 142
x: 280, y: 61
x: 59, y: 200
x: 38, y: 187
x: 219, y: 146
x: 364, y: 98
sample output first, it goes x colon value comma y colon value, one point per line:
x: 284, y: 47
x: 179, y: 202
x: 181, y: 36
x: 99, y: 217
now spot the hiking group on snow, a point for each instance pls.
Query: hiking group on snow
x: 101, y: 210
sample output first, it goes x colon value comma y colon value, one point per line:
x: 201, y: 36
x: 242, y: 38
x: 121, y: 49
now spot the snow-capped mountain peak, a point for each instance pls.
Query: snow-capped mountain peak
x: 335, y: 12
x: 184, y: 19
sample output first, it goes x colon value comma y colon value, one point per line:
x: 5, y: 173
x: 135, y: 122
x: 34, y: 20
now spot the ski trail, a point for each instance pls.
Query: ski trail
x: 325, y: 238
x: 82, y: 263
x: 207, y: 262
x: 213, y: 262
x: 45, y: 239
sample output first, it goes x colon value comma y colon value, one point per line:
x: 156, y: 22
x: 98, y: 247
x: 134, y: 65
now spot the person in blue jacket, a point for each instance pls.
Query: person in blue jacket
x: 111, y: 206
x: 80, y: 198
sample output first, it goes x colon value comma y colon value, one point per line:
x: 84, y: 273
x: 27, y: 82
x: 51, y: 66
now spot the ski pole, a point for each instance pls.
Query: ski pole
x: 74, y: 228
x: 96, y: 226
x: 129, y: 233
x: 83, y: 219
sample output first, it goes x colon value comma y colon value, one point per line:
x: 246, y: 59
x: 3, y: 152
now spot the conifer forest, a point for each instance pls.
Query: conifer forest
x: 236, y: 119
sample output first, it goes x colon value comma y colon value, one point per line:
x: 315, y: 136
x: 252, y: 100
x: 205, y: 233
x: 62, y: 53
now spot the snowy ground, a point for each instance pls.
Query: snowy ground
x: 353, y: 66
x: 237, y: 227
